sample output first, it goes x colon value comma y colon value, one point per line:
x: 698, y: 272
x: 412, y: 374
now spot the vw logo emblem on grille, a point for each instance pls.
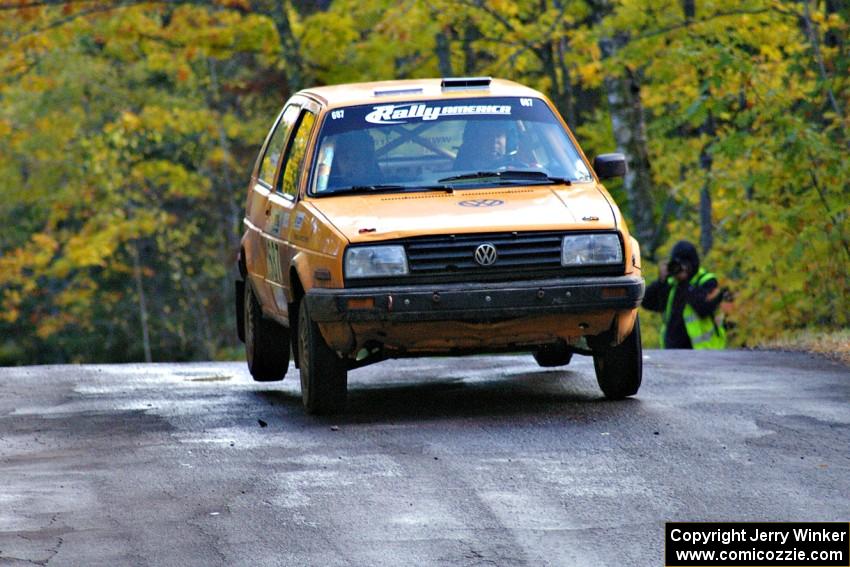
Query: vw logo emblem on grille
x: 482, y: 203
x: 485, y: 255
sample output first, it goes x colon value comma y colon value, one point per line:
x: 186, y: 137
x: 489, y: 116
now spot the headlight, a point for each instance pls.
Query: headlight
x: 373, y: 261
x: 591, y: 250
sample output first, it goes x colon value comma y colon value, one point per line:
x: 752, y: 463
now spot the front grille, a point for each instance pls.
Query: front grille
x: 451, y: 258
x: 456, y: 253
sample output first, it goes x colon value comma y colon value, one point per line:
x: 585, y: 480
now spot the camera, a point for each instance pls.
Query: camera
x: 675, y: 266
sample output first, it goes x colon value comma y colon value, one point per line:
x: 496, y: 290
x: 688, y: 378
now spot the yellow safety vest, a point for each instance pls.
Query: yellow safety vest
x: 704, y: 332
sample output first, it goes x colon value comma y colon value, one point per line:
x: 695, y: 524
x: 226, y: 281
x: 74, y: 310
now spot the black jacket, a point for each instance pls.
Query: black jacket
x: 655, y: 299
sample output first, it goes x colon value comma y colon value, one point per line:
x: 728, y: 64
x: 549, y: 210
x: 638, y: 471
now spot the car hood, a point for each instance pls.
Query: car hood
x: 364, y: 218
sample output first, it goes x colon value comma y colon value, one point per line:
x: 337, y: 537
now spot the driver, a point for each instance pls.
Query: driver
x: 484, y: 146
x: 354, y: 161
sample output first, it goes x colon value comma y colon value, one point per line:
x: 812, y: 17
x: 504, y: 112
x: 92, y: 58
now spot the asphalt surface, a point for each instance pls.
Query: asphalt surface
x: 473, y: 461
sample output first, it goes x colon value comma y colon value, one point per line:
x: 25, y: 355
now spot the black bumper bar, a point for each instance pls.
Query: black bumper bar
x: 475, y: 302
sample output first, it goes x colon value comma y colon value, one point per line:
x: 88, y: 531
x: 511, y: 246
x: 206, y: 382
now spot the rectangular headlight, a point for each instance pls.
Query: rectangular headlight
x: 375, y: 261
x: 591, y: 250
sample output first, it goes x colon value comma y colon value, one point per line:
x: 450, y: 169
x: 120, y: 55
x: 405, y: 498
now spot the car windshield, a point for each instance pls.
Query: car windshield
x: 443, y: 144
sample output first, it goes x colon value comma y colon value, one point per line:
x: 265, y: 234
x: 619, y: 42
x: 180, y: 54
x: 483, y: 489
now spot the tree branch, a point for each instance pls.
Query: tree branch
x: 687, y: 23
x: 65, y: 20
x: 489, y: 11
x: 812, y: 34
x: 42, y: 3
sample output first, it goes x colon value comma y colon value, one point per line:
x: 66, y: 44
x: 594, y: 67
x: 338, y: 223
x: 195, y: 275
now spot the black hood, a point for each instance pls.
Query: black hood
x: 684, y: 251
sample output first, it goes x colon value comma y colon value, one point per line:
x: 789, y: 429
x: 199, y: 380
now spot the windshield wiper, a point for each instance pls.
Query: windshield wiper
x: 359, y: 189
x: 508, y: 175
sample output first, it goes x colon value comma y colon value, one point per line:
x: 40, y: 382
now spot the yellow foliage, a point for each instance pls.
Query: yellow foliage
x: 94, y: 245
x: 45, y: 242
x: 48, y: 326
x: 590, y: 74
x: 130, y: 121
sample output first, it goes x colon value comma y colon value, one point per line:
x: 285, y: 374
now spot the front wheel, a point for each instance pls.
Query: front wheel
x: 619, y: 369
x: 266, y: 342
x: 324, y: 377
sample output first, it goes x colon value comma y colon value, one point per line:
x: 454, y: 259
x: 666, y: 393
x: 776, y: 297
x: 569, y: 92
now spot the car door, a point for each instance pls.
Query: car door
x: 281, y: 208
x: 258, y: 208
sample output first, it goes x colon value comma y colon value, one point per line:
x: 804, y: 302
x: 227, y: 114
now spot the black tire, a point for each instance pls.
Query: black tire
x: 619, y: 369
x: 293, y: 343
x: 266, y: 342
x: 324, y: 376
x: 239, y: 302
x: 550, y: 356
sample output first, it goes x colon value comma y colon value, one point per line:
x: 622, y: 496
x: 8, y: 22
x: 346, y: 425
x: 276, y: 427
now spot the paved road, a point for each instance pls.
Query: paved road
x: 475, y: 461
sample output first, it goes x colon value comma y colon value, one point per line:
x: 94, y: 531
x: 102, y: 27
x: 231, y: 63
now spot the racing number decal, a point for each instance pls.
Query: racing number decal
x: 274, y: 273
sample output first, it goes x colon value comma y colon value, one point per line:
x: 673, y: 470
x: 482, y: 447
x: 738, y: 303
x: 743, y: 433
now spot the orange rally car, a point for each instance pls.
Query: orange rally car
x: 432, y: 217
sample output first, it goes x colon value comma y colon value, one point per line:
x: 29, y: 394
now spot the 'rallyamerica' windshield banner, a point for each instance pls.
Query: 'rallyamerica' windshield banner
x: 401, y: 113
x: 413, y: 114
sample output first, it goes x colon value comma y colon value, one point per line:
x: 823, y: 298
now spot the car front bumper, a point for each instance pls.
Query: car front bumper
x: 475, y: 302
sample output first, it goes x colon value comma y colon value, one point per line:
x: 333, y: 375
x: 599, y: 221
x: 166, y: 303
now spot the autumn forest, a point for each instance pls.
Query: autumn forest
x: 128, y: 130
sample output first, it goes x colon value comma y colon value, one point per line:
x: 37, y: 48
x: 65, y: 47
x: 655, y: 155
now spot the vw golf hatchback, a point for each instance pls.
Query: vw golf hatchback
x: 432, y: 217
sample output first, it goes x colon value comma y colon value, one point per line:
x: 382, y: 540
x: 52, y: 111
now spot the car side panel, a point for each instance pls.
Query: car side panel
x: 316, y: 249
x: 277, y: 254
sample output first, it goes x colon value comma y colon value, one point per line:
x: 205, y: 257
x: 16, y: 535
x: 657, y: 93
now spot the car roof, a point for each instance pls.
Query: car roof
x: 416, y: 89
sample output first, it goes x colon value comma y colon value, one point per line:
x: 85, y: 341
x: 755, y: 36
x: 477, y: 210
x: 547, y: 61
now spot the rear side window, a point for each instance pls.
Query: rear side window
x: 295, y: 157
x: 268, y: 168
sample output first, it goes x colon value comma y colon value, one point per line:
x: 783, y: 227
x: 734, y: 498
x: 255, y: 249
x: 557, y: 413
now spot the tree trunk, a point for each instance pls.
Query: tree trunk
x: 706, y: 161
x: 231, y: 213
x: 568, y: 101
x: 814, y: 39
x: 470, y: 60
x: 706, y: 232
x: 143, y: 309
x: 629, y: 125
x: 291, y: 50
x: 550, y: 58
x: 443, y: 50
x: 706, y: 226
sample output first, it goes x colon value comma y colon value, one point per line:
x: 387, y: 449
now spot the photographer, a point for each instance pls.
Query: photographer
x: 687, y: 296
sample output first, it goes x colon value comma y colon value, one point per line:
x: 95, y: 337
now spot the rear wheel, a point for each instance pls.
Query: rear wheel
x: 553, y: 355
x: 266, y: 342
x: 324, y: 377
x: 619, y: 369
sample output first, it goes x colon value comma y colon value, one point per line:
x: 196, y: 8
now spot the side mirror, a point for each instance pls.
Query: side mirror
x: 607, y: 166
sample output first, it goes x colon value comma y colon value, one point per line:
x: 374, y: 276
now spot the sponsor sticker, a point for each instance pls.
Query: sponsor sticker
x: 403, y: 113
x: 273, y: 268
